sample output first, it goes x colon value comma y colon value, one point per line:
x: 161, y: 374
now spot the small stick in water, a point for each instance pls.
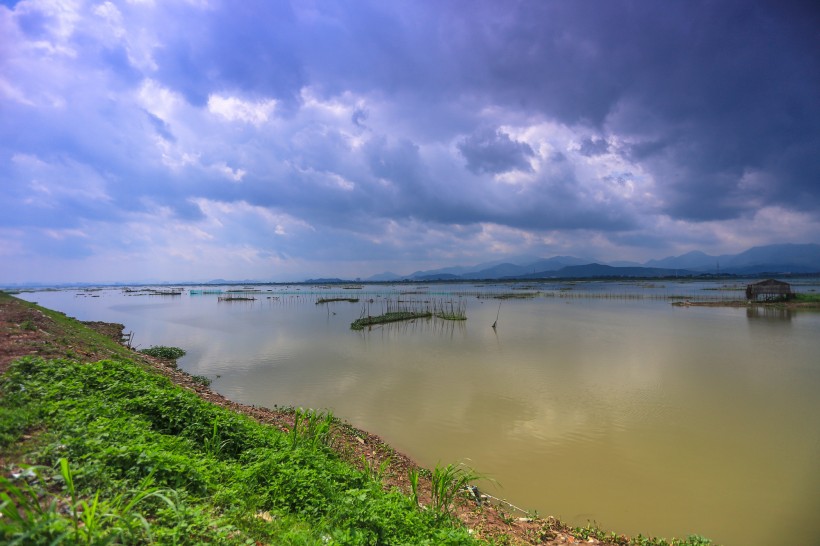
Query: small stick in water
x: 496, y: 315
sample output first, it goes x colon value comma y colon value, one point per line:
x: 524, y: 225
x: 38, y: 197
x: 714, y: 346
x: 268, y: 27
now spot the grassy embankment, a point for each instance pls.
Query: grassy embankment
x: 111, y: 451
x: 128, y: 456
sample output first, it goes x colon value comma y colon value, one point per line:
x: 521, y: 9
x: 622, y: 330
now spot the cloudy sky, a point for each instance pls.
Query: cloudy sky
x: 276, y: 140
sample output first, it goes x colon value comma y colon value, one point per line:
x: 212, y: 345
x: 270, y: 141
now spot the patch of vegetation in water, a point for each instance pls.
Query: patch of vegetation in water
x: 516, y: 295
x: 161, y: 351
x: 395, y: 316
x: 450, y: 310
x: 331, y: 300
x: 451, y: 316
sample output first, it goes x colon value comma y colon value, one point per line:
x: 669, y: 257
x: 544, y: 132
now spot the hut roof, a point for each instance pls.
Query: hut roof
x: 769, y: 282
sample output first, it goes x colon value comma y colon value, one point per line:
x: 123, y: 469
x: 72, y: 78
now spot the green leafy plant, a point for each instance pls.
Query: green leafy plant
x: 161, y: 351
x: 201, y: 379
x: 375, y: 472
x: 312, y: 428
x: 447, y: 482
x: 413, y: 475
x: 75, y: 519
x: 214, y: 445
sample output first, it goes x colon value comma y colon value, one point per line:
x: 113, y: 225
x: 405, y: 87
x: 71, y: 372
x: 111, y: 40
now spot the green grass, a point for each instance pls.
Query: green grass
x: 127, y: 457
x: 807, y: 298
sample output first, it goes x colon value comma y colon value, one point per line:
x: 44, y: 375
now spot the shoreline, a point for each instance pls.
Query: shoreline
x: 790, y: 305
x: 28, y: 329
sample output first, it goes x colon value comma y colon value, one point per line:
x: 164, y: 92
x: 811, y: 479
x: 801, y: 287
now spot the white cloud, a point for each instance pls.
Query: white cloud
x: 235, y: 175
x: 61, y: 16
x: 234, y: 109
x: 10, y: 91
x: 61, y: 234
x: 223, y: 214
x: 52, y: 181
x: 159, y: 100
x: 112, y: 17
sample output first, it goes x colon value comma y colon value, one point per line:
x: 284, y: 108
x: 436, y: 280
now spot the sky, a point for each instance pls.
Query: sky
x: 150, y: 140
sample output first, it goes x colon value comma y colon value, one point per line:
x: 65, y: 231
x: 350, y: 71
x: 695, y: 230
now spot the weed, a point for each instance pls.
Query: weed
x: 214, y: 445
x: 161, y: 351
x: 201, y: 379
x: 413, y: 475
x: 592, y: 530
x: 28, y: 325
x: 374, y: 472
x: 312, y: 428
x: 447, y: 482
x: 74, y: 520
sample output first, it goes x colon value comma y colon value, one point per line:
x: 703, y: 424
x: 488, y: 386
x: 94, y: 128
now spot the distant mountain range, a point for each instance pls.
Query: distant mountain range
x: 782, y: 259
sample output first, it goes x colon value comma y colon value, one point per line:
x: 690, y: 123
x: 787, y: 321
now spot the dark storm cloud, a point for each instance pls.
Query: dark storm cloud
x: 594, y: 146
x: 493, y: 151
x: 250, y: 45
x: 704, y: 92
x: 730, y: 87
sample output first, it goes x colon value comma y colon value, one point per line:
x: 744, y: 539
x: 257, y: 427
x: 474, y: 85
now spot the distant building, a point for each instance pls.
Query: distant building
x: 769, y: 290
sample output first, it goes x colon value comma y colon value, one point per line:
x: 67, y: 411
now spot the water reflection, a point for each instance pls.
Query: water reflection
x: 759, y: 312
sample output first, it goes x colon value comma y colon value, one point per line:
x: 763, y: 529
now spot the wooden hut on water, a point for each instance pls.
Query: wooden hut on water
x: 769, y: 290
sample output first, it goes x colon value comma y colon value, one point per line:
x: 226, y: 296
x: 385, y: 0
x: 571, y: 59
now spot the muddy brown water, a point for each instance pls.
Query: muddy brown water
x: 616, y: 408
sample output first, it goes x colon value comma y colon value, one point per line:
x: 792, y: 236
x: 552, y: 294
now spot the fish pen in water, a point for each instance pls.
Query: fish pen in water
x: 387, y: 310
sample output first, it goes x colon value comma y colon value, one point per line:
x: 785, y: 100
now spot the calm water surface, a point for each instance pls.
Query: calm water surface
x: 614, y: 407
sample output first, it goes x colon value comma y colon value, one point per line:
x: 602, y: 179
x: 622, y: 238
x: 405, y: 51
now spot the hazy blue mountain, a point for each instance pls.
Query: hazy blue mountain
x: 781, y: 258
x: 516, y: 265
x: 774, y: 259
x: 625, y: 263
x: 438, y: 277
x: 387, y: 276
x: 806, y: 256
x: 556, y: 262
x: 602, y: 270
x: 496, y: 272
x: 222, y: 281
x: 691, y: 260
x: 463, y: 270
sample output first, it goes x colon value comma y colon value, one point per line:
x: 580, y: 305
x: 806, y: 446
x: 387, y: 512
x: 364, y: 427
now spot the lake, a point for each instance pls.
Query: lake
x: 589, y: 401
